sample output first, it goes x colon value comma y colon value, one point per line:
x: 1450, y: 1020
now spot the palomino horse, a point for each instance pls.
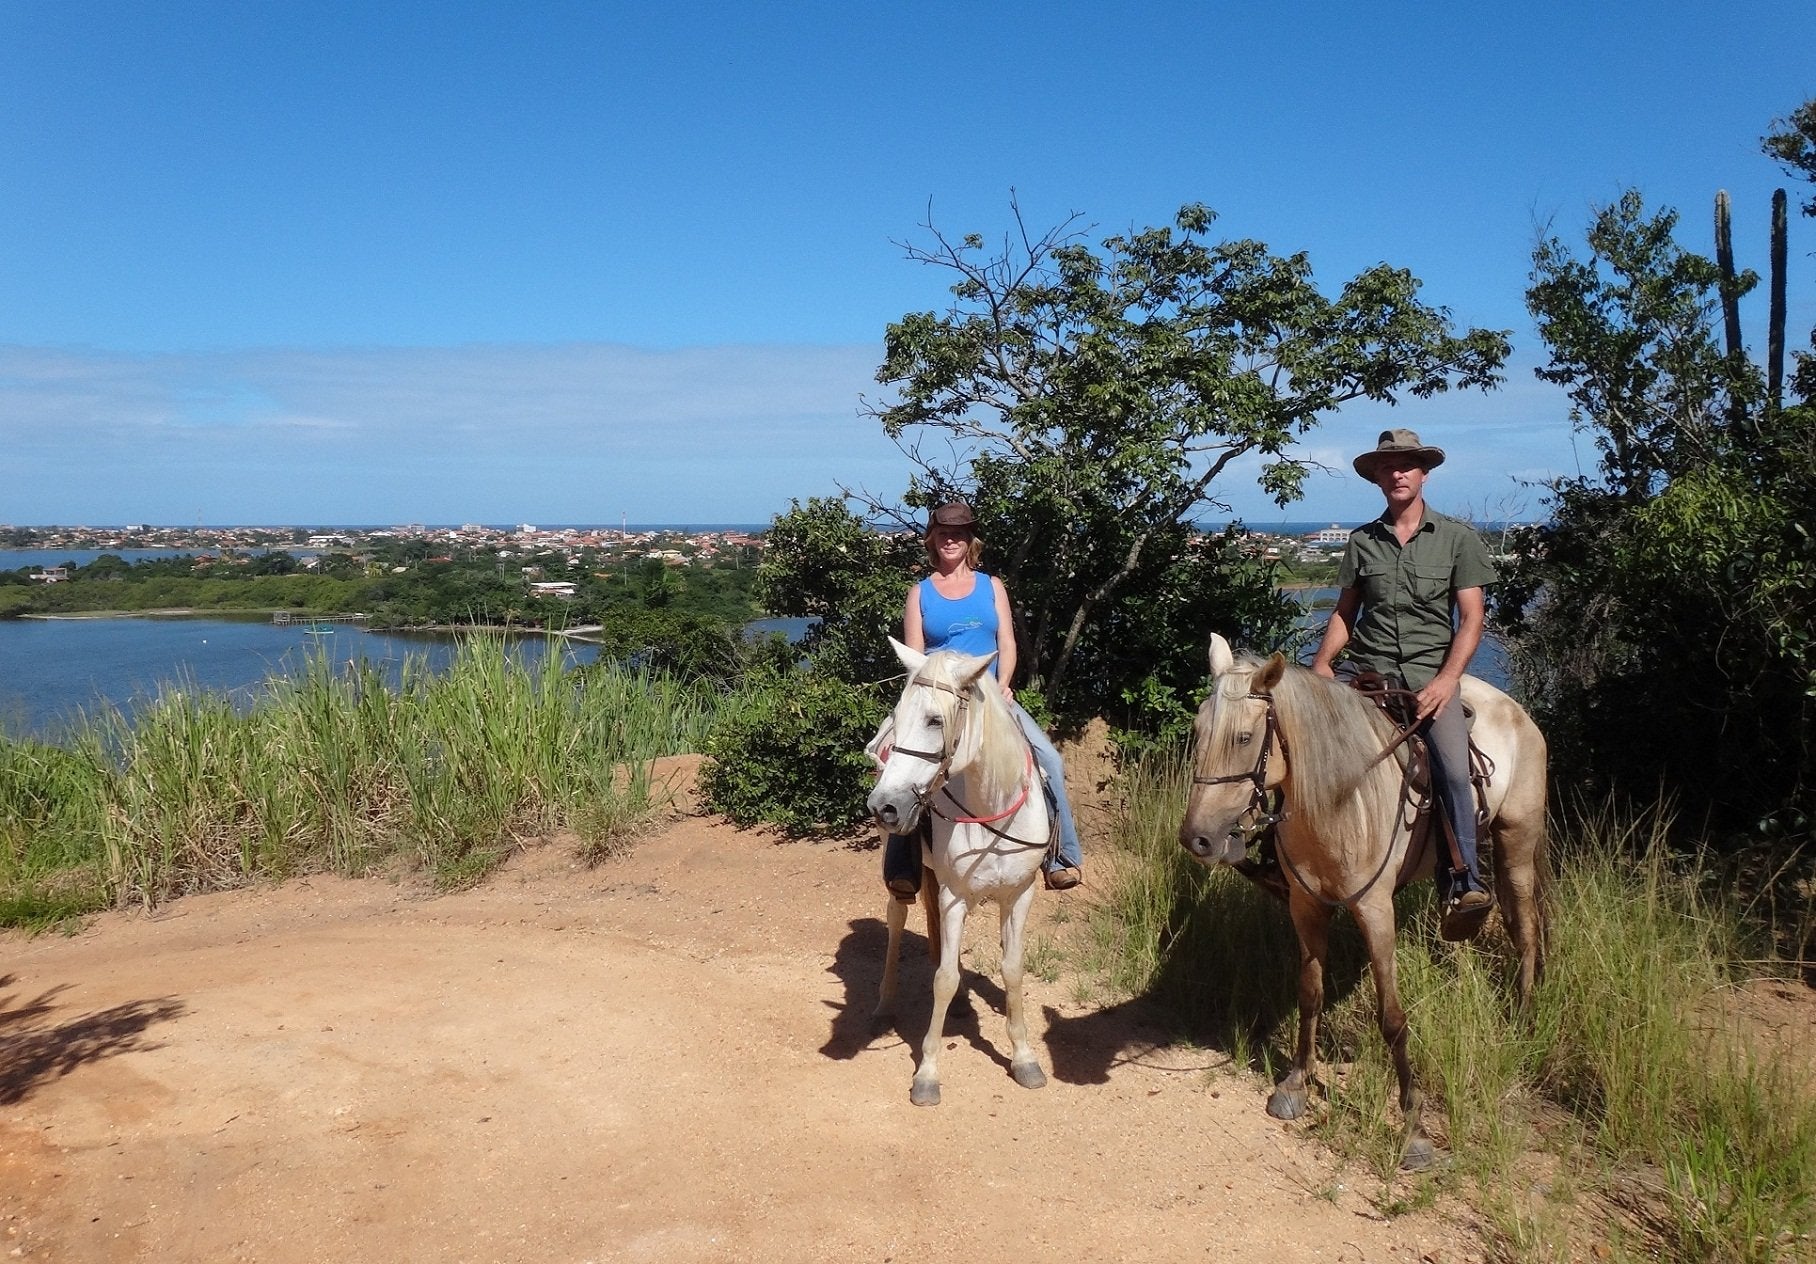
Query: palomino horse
x: 1343, y: 827
x: 959, y: 755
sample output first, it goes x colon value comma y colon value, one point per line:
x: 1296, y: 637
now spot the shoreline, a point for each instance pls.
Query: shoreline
x: 256, y: 616
x: 173, y: 612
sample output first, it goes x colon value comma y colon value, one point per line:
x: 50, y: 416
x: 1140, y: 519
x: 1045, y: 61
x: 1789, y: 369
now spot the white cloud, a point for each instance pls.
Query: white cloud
x: 578, y: 432
x: 586, y: 432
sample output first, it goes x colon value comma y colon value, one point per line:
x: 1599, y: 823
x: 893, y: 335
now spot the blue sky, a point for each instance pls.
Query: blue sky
x: 563, y: 262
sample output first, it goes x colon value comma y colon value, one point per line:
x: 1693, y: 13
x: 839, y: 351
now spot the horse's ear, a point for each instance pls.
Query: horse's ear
x: 911, y: 659
x: 1270, y: 673
x: 1221, y: 657
x: 976, y: 668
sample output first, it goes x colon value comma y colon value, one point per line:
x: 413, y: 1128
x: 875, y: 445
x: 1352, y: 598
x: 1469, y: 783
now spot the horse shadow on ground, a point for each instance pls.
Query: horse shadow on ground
x: 1209, y: 994
x: 858, y: 964
x: 35, y: 1049
x: 1229, y: 984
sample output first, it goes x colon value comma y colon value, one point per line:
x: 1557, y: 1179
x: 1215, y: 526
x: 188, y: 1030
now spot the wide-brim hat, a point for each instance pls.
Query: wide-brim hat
x: 956, y: 514
x: 1398, y: 443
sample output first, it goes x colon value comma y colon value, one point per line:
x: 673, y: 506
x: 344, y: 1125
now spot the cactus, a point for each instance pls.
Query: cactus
x: 1775, y: 325
x: 1724, y: 259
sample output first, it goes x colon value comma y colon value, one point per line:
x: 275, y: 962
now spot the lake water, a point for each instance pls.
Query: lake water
x: 53, y: 669
x: 36, y: 559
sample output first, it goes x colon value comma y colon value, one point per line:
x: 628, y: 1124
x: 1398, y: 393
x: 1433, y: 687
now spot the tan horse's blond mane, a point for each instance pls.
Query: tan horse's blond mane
x: 1333, y: 737
x: 1002, y: 753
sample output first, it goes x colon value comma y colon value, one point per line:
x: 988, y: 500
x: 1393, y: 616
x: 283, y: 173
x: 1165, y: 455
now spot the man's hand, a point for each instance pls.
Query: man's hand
x: 1435, y: 696
x: 1325, y: 670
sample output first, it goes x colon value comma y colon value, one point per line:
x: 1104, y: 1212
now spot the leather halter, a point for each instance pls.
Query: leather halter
x: 949, y: 745
x: 942, y: 759
x: 1264, y: 820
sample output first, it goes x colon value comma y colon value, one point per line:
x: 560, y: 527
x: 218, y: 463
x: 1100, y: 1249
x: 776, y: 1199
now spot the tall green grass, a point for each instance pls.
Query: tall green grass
x: 335, y: 770
x: 1633, y: 1082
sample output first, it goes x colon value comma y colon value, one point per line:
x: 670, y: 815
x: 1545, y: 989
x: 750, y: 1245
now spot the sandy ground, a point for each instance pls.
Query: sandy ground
x: 667, y: 1057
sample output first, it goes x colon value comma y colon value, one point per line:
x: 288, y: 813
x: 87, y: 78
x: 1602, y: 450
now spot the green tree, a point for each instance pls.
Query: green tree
x: 1660, y: 621
x: 107, y: 566
x: 657, y: 583
x: 827, y: 563
x: 1792, y: 144
x: 675, y: 642
x: 1090, y: 400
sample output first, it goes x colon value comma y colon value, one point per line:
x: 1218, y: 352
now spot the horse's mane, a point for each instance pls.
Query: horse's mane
x: 1002, y: 754
x: 1333, y: 736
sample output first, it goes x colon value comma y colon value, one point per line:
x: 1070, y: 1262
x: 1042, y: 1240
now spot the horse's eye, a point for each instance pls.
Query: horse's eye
x: 937, y: 721
x: 1245, y: 737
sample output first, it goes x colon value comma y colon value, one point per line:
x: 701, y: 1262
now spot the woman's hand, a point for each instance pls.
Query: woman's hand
x: 1008, y: 693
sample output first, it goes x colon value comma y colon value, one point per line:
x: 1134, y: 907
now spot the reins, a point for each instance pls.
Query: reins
x: 1265, y: 820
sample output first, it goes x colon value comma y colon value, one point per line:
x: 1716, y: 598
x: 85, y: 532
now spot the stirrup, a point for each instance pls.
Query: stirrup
x: 1463, y: 917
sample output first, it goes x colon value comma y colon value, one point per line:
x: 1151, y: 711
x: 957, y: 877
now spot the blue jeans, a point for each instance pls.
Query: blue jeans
x: 1053, y: 769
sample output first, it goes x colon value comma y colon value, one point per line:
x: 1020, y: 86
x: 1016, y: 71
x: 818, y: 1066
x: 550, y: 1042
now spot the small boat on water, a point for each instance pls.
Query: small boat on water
x: 316, y: 629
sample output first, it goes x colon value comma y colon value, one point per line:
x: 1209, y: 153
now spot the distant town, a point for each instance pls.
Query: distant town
x: 675, y: 545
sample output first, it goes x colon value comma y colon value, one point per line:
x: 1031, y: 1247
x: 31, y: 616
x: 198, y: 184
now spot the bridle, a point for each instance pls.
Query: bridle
x: 943, y: 757
x: 1263, y: 819
x: 942, y: 761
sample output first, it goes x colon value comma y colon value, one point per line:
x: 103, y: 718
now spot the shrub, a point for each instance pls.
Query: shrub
x: 791, y: 753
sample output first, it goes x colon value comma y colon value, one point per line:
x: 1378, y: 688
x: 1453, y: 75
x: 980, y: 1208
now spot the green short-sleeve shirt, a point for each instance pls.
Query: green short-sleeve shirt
x: 1408, y: 614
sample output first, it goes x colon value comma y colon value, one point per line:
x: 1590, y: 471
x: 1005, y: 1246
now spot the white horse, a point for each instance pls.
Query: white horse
x: 958, y: 754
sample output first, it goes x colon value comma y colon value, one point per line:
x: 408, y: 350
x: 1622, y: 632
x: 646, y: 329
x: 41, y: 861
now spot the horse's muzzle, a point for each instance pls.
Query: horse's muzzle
x: 892, y: 814
x: 1213, y: 848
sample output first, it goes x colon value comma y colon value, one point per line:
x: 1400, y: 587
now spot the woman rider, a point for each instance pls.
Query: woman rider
x: 958, y: 607
x: 1411, y: 606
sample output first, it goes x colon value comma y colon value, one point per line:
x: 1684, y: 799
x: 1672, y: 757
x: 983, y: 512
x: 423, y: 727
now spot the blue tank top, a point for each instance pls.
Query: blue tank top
x: 966, y: 624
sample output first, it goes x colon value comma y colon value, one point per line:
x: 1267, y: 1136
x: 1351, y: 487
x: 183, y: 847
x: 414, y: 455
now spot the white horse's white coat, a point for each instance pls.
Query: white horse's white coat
x: 972, y: 862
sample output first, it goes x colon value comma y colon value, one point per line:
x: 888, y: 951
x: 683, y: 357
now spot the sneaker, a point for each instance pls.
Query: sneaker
x: 1064, y: 878
x: 1463, y: 916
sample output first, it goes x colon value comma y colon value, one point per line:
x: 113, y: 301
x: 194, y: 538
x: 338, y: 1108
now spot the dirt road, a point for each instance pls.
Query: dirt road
x: 669, y: 1057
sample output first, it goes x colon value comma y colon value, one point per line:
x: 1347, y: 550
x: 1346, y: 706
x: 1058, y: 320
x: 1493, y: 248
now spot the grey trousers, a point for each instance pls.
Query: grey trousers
x: 1446, y: 736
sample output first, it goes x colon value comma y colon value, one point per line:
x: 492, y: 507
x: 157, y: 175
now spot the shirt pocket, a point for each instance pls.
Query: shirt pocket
x: 1430, y: 585
x: 1376, y: 582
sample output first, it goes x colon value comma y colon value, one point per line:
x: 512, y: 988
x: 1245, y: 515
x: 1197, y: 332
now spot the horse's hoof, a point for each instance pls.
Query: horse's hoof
x: 1028, y: 1074
x: 1419, y: 1156
x: 924, y: 1094
x: 1286, y: 1103
x: 882, y: 1019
